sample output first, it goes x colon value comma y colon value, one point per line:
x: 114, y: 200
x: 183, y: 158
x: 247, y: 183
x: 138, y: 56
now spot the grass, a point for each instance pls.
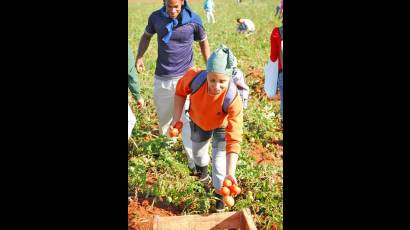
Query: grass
x: 153, y: 156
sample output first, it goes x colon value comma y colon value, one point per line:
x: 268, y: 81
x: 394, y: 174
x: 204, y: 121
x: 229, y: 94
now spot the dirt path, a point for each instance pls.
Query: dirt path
x: 265, y: 156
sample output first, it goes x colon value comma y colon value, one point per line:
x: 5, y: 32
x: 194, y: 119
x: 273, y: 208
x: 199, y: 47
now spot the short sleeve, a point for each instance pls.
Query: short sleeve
x: 199, y: 33
x: 150, y: 29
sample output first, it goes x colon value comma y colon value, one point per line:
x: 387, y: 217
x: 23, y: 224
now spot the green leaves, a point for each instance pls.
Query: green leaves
x: 137, y: 173
x: 169, y: 166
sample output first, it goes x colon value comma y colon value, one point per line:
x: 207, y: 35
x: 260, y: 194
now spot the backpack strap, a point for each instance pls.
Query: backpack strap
x: 198, y: 81
x: 231, y: 93
x: 230, y: 96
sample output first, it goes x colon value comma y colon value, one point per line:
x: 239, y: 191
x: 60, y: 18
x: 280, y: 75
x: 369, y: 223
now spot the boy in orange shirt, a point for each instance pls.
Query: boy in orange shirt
x: 208, y: 119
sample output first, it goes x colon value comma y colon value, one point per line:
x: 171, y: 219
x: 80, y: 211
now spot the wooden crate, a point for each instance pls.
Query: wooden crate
x: 241, y: 220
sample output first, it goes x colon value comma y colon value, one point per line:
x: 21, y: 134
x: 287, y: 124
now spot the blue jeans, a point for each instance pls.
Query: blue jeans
x: 281, y: 92
x: 200, y: 146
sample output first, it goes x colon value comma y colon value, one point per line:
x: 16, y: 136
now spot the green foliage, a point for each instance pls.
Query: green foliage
x: 154, y: 156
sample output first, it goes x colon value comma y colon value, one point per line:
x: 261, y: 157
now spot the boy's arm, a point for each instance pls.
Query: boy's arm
x: 231, y: 159
x: 179, y: 103
x: 233, y: 137
x: 181, y: 92
x: 234, y: 129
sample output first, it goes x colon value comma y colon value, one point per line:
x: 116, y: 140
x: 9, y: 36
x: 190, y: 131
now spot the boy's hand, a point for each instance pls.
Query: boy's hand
x: 231, y: 178
x: 172, y: 132
x: 170, y: 128
x: 177, y: 124
x: 174, y: 125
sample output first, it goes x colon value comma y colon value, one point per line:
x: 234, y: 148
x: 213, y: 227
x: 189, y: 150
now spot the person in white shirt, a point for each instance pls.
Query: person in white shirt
x: 245, y: 25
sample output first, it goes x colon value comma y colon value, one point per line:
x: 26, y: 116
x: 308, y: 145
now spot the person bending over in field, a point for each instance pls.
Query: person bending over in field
x: 245, y: 26
x: 210, y: 118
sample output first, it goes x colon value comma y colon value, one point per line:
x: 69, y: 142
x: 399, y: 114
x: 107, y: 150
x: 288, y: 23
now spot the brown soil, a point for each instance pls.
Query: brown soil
x: 263, y: 155
x: 151, y: 179
x: 255, y: 79
x: 141, y: 213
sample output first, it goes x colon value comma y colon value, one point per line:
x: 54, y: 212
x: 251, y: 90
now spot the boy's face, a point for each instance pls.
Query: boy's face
x: 217, y: 82
x: 173, y: 7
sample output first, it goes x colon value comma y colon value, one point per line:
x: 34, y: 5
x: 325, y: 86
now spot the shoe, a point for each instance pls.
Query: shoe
x: 193, y: 172
x: 205, y: 180
x: 203, y: 177
x: 219, y: 206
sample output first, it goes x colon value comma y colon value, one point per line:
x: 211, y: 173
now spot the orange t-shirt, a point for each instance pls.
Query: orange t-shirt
x: 206, y: 111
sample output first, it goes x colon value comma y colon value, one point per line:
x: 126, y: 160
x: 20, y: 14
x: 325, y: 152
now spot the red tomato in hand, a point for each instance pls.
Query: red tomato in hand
x: 225, y: 191
x: 235, y: 190
x: 227, y: 183
x: 229, y: 201
x: 178, y: 125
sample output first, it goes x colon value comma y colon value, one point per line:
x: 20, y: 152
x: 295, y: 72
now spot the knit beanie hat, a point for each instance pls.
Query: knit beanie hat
x: 222, y: 61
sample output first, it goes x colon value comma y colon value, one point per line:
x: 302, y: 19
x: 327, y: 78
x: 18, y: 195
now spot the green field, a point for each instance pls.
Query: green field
x: 153, y: 156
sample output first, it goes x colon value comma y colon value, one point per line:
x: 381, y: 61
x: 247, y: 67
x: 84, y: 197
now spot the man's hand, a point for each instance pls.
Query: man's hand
x: 140, y: 103
x: 139, y: 64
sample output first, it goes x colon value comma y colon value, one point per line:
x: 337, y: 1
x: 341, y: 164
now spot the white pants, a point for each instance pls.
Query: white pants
x: 209, y: 16
x: 164, y: 93
x: 131, y: 121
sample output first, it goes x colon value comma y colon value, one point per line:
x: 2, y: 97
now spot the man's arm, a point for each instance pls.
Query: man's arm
x: 134, y: 86
x: 142, y: 47
x: 204, y: 45
x: 133, y: 83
